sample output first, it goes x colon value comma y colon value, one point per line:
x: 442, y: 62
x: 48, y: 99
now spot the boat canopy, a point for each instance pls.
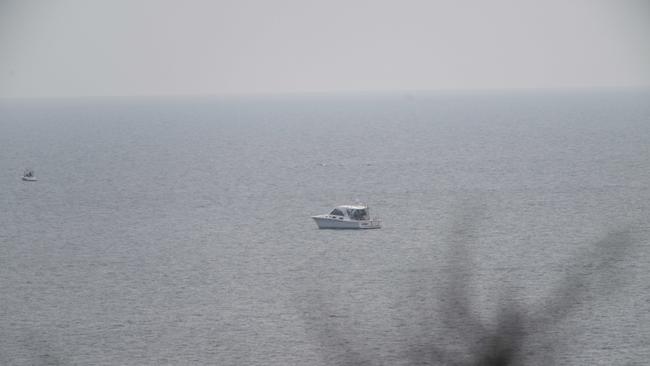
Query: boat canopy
x: 353, y: 212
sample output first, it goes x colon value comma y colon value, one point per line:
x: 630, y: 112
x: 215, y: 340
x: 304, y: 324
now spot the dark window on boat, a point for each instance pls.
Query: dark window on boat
x: 359, y: 214
x: 336, y: 212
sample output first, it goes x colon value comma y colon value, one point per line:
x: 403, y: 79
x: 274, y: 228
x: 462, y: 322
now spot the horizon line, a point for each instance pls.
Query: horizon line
x: 315, y: 93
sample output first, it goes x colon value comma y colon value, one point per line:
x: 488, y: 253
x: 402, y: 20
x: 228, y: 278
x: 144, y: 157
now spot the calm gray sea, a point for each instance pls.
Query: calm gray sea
x: 178, y: 231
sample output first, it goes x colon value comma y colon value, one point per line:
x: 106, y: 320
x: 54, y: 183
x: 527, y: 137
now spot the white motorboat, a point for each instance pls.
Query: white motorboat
x: 347, y: 217
x: 28, y: 176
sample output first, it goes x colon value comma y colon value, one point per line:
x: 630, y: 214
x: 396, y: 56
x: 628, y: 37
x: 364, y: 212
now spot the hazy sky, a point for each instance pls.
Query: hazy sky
x: 153, y: 47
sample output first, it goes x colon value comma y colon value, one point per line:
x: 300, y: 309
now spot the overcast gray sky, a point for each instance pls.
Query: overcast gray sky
x: 159, y: 47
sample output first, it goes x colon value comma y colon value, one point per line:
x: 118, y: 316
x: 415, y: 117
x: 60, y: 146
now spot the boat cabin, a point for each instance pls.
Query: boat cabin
x: 351, y: 212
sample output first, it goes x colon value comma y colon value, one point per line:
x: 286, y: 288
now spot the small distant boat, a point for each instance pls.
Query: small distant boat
x: 28, y: 176
x: 347, y: 217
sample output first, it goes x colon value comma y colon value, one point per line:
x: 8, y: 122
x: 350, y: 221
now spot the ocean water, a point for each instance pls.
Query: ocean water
x: 178, y: 231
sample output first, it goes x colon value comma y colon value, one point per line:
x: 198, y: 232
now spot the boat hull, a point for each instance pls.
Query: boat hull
x: 29, y: 179
x: 334, y: 223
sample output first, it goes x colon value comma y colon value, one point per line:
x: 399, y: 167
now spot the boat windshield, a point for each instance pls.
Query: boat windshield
x: 336, y: 212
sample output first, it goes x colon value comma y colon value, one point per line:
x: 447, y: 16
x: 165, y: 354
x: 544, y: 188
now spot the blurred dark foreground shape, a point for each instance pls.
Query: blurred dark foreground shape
x: 473, y: 342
